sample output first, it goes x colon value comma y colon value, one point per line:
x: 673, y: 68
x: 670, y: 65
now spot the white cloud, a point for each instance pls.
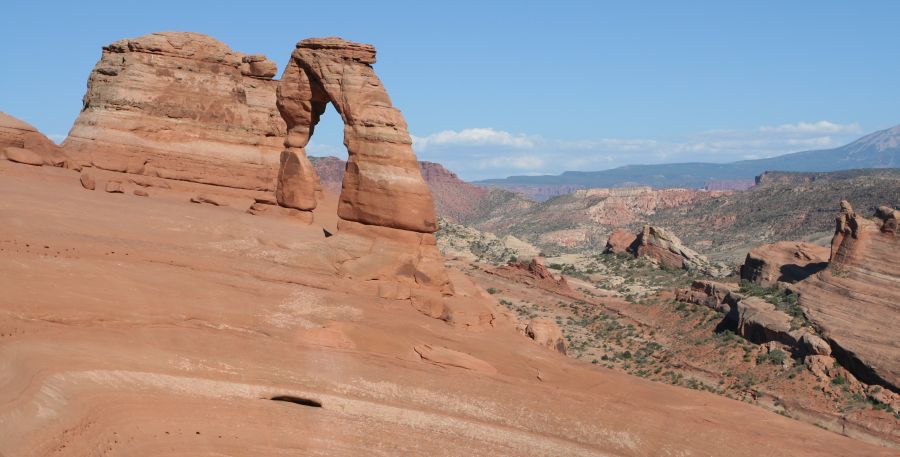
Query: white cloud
x: 477, y: 153
x: 474, y: 137
x: 814, y: 127
x: 57, y: 137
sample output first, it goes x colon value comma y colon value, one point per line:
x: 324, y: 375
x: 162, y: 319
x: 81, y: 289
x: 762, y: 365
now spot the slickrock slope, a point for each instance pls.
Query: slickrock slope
x: 20, y: 142
x: 182, y: 106
x: 855, y: 302
x: 382, y: 185
x: 785, y: 261
x: 202, y: 330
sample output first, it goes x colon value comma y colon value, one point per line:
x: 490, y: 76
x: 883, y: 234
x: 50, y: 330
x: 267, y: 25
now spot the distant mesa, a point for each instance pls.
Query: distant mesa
x: 880, y: 149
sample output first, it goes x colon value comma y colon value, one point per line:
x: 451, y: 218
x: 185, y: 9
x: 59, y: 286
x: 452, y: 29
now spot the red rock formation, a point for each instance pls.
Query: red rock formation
x: 20, y: 142
x: 382, y: 185
x: 785, y: 261
x: 663, y: 246
x: 618, y: 207
x: 546, y: 333
x: 620, y: 241
x: 534, y: 273
x: 454, y: 199
x: 855, y: 302
x: 181, y: 106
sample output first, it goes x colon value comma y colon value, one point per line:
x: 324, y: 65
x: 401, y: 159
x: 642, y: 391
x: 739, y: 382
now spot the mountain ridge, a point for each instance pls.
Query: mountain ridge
x: 880, y: 149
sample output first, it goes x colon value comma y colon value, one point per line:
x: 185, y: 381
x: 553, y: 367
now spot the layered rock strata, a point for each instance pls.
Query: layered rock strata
x: 784, y: 261
x: 182, y: 106
x: 665, y: 248
x: 382, y: 185
x: 855, y: 302
x: 20, y: 142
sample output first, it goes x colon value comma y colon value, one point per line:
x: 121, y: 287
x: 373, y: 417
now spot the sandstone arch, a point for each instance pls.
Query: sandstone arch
x: 382, y: 185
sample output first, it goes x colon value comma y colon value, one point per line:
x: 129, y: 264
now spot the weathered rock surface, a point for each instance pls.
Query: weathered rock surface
x: 178, y: 310
x: 20, y: 142
x: 115, y: 187
x: 454, y: 199
x: 855, y: 302
x: 182, y: 106
x: 620, y: 241
x: 460, y: 241
x: 758, y: 321
x: 784, y: 261
x: 708, y: 293
x: 618, y: 207
x: 382, y: 185
x: 534, y: 273
x: 668, y: 250
x: 87, y: 181
x: 546, y: 333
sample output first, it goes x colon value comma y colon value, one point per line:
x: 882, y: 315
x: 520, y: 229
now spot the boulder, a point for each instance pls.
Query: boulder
x: 758, y: 321
x: 141, y: 193
x: 20, y: 142
x: 382, y: 184
x: 663, y: 246
x: 546, y: 333
x: 814, y: 344
x: 182, y: 106
x: 115, y: 187
x: 785, y: 261
x: 708, y: 293
x: 87, y: 181
x: 24, y: 156
x: 620, y: 241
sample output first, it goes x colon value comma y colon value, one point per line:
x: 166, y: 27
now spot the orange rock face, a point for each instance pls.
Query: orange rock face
x: 181, y: 106
x: 382, y: 185
x: 620, y: 241
x: 20, y: 142
x: 856, y: 300
x: 618, y: 207
x: 785, y: 261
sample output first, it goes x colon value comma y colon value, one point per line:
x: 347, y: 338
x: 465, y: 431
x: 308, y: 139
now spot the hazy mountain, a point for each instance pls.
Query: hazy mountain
x: 877, y: 150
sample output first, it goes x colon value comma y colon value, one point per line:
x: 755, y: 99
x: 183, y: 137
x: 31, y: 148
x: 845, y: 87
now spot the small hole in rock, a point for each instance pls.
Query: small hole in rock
x: 298, y: 400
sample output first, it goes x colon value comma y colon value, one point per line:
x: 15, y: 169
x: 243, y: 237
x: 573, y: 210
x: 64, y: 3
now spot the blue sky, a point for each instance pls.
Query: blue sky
x: 492, y: 89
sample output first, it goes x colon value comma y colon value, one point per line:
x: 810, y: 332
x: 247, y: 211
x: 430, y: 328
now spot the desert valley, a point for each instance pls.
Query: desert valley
x: 180, y: 277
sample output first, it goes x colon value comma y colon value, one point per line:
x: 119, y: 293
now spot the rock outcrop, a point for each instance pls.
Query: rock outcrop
x: 382, y: 185
x: 20, y: 142
x: 620, y: 241
x: 454, y: 199
x: 855, y: 302
x: 181, y: 106
x: 666, y: 249
x: 618, y: 207
x: 784, y: 261
x: 546, y: 333
x: 534, y: 273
